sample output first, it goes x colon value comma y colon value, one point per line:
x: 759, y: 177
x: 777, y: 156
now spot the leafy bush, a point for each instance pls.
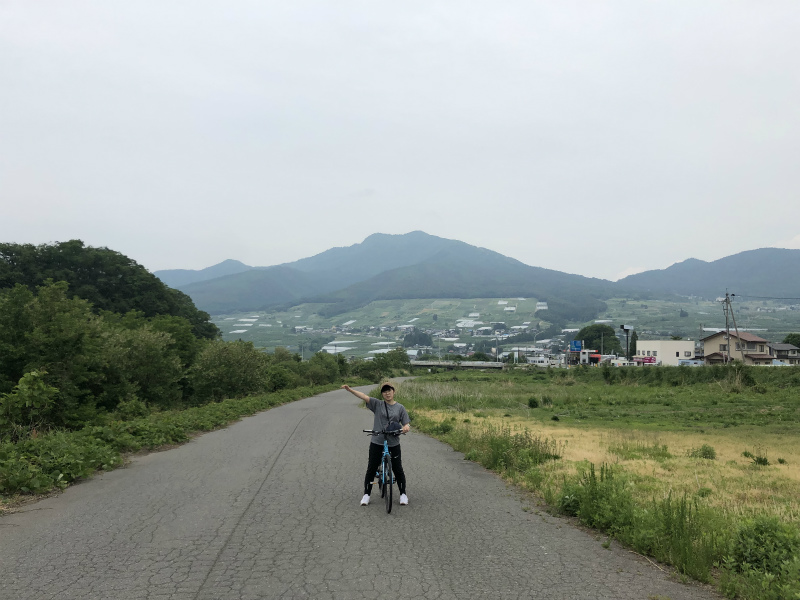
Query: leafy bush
x: 228, y: 370
x: 704, y: 451
x: 764, y: 561
x: 764, y: 543
x: 445, y: 427
x: 131, y: 408
x: 26, y: 408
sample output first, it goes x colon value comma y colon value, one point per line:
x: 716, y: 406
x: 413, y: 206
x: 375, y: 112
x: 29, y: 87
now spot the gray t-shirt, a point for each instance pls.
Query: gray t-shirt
x: 397, y: 414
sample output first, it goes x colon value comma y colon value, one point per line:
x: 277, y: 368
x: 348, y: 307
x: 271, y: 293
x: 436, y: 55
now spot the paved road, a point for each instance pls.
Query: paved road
x: 269, y: 508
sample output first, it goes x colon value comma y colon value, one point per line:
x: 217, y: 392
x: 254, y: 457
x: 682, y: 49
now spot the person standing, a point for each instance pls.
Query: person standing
x: 389, y: 414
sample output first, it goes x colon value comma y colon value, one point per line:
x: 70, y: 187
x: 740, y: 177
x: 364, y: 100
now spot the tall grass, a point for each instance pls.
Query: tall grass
x: 692, y: 527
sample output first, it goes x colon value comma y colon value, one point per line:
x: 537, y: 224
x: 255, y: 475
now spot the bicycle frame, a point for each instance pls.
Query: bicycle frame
x: 385, y: 482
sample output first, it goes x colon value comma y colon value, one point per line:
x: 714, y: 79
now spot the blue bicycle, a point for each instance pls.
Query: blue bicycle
x: 384, y: 475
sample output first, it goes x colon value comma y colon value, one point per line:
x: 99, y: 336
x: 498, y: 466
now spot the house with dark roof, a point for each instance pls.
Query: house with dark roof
x: 787, y: 353
x: 744, y: 347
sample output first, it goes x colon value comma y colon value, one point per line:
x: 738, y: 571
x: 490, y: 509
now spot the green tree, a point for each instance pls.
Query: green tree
x: 141, y: 366
x: 183, y: 341
x: 109, y: 280
x: 65, y: 339
x: 600, y: 337
x: 322, y: 368
x: 417, y: 338
x: 228, y: 370
x: 632, y: 344
x: 793, y: 339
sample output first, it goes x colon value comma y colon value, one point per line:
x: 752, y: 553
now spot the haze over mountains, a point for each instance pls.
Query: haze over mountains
x: 419, y: 265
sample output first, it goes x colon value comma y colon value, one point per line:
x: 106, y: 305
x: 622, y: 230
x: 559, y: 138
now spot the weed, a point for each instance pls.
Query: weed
x: 445, y: 427
x: 704, y: 451
x: 55, y: 459
x: 758, y: 459
x: 533, y: 402
x: 632, y: 450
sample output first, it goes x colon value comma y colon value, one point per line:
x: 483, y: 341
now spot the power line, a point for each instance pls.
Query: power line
x: 762, y: 297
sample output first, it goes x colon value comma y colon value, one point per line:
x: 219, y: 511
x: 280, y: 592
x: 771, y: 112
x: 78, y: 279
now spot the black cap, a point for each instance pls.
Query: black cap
x: 387, y: 386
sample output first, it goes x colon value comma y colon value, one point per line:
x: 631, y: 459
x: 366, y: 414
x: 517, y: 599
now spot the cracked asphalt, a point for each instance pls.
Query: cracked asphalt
x: 269, y: 508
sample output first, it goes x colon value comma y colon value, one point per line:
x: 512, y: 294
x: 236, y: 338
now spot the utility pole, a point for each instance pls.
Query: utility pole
x: 627, y: 329
x: 725, y: 308
x: 729, y: 309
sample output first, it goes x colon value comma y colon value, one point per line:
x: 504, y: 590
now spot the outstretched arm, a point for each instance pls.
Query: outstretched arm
x: 356, y: 393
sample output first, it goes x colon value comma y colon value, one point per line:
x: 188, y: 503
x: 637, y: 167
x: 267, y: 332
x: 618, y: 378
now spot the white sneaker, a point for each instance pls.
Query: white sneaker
x: 403, y: 499
x: 365, y: 500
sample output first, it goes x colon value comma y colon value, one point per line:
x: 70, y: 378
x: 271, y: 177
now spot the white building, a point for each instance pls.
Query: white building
x: 665, y: 352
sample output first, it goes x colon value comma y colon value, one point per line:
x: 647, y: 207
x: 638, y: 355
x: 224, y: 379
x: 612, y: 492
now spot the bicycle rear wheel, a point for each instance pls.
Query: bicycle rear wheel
x: 387, y: 471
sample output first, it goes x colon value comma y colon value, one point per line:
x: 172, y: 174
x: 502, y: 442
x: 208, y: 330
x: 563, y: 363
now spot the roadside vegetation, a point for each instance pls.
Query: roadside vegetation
x: 81, y: 385
x: 696, y: 467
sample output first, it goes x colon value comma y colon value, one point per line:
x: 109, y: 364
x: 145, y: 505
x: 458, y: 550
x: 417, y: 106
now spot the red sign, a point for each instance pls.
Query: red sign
x: 650, y: 360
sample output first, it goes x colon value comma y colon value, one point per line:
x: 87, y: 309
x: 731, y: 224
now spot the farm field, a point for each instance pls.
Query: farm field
x: 357, y: 330
x: 722, y: 441
x: 648, y: 427
x: 654, y: 319
x: 273, y: 329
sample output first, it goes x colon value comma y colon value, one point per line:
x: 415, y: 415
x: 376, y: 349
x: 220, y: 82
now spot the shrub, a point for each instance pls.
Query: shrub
x: 130, y: 409
x: 445, y: 427
x: 704, y: 451
x: 26, y: 407
x: 764, y: 544
x: 533, y: 403
x: 228, y: 370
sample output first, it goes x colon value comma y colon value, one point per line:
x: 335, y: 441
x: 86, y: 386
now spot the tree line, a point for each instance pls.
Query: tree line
x: 120, y: 346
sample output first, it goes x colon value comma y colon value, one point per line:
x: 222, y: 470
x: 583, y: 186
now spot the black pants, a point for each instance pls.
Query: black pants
x: 375, y: 454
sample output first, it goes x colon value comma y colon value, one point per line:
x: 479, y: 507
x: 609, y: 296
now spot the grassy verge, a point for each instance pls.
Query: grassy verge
x: 632, y: 461
x: 52, y: 461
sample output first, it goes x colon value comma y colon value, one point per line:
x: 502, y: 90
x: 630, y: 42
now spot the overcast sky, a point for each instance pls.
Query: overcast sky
x: 598, y: 138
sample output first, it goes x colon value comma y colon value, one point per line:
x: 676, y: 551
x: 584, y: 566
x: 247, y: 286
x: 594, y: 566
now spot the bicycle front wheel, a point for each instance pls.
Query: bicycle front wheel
x: 382, y: 479
x: 387, y: 472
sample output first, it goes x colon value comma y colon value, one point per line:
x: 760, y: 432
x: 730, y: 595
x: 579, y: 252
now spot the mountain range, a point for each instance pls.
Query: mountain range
x: 419, y: 265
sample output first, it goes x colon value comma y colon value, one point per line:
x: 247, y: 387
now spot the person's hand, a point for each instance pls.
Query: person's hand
x: 406, y: 428
x: 347, y: 387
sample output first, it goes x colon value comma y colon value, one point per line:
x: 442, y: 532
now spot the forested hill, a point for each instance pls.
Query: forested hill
x: 477, y: 273
x: 109, y: 280
x: 413, y: 265
x: 771, y: 272
x: 418, y: 265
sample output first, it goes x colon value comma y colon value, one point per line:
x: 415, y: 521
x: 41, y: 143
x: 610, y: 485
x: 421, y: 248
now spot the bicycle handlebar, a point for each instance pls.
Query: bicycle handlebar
x: 384, y: 432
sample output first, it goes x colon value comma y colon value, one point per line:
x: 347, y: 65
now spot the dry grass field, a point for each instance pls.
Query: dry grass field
x: 699, y: 468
